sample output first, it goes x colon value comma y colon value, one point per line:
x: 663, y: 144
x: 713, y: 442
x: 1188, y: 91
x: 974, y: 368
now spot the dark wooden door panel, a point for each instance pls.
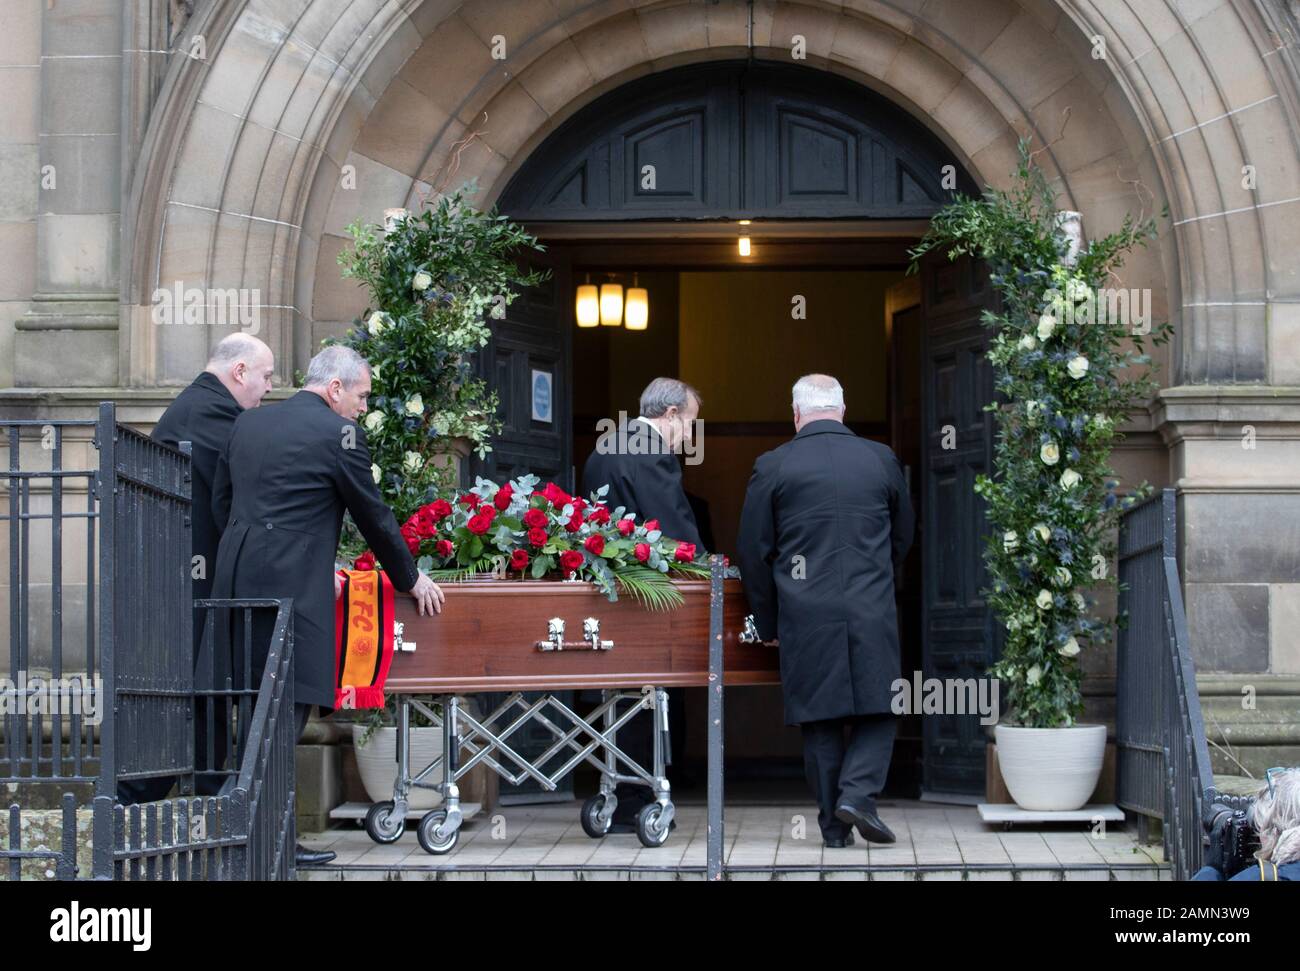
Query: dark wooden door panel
x: 958, y: 634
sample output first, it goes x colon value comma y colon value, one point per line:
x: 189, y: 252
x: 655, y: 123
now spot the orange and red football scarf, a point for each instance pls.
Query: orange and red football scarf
x: 363, y: 639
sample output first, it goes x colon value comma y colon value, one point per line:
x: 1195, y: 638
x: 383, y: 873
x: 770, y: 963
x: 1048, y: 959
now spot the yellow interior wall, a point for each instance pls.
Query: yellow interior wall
x: 740, y: 346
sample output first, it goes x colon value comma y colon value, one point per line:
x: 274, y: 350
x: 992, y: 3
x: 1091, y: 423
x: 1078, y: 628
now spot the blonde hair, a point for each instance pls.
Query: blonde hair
x: 1276, y: 819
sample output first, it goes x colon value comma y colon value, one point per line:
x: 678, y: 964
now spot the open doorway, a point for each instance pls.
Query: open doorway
x: 742, y: 332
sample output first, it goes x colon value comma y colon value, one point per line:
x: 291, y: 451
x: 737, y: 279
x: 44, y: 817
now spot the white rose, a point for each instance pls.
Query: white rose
x: 1032, y: 408
x: 422, y: 281
x: 374, y: 421
x: 1033, y: 675
x: 1079, y: 603
x: 1044, y: 533
x: 1070, y: 479
x: 374, y: 471
x: 1077, y: 290
x: 1077, y: 367
x: 415, y: 405
x: 1049, y: 453
x: 1027, y: 343
x: 1046, y: 325
x: 1044, y: 600
x: 1010, y: 540
x: 377, y: 323
x: 412, y: 462
x: 1069, y: 648
x: 1062, y: 577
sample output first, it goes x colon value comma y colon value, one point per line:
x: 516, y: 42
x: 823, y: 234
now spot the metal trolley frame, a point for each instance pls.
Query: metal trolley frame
x: 439, y: 829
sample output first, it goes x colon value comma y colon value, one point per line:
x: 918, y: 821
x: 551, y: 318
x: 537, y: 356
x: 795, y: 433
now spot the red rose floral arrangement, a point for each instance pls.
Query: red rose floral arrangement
x: 518, y: 530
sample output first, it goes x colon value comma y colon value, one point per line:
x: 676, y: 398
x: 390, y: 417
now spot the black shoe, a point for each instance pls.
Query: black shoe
x: 838, y: 842
x: 306, y: 857
x: 871, y: 826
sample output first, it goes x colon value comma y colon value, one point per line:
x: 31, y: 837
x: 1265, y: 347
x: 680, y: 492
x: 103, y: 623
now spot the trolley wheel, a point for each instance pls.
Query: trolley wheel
x: 649, y: 830
x: 590, y: 817
x: 382, y: 825
x: 424, y: 832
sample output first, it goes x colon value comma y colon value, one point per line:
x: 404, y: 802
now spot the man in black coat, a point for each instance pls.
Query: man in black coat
x: 238, y: 376
x: 638, y: 461
x: 826, y: 522
x: 283, y: 483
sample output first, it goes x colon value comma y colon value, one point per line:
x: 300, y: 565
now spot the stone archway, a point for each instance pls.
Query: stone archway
x: 242, y: 181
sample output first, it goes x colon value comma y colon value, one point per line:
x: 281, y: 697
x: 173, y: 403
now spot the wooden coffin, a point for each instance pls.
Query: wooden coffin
x: 487, y: 639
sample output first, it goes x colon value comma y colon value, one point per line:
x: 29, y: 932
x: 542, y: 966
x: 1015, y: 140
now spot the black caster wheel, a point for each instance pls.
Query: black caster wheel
x: 429, y: 822
x: 650, y: 829
x: 382, y: 824
x: 589, y: 817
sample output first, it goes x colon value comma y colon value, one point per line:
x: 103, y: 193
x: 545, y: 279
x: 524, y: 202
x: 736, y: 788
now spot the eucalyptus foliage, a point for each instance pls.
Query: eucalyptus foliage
x: 1068, y: 370
x: 434, y: 279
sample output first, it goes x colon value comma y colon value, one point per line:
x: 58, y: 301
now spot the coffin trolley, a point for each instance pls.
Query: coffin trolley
x: 517, y: 636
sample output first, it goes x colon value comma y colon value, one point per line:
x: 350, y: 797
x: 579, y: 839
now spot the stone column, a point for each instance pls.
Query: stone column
x: 69, y: 336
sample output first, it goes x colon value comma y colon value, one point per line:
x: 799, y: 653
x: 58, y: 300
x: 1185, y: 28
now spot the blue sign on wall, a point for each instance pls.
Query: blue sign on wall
x: 542, y: 396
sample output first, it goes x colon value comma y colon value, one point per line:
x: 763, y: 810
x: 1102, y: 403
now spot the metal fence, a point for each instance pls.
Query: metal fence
x: 100, y: 685
x: 1163, y: 760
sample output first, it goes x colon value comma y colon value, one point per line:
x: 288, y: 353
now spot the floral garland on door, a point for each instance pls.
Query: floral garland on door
x: 1069, y: 370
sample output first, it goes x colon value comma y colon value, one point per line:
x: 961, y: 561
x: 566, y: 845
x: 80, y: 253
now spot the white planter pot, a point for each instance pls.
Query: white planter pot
x: 377, y: 763
x: 1051, y: 769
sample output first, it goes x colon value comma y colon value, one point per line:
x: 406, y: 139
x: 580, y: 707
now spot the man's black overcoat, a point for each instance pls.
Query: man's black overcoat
x: 826, y: 521
x: 288, y: 473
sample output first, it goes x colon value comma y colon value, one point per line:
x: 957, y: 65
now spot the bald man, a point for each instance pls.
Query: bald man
x: 237, y: 377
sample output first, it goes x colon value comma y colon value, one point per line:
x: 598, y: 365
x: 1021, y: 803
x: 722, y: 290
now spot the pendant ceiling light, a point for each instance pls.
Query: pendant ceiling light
x: 636, y: 312
x: 611, y: 304
x: 587, y: 306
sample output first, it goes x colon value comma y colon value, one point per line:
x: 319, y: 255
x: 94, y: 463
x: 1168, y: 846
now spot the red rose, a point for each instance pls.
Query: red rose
x: 440, y: 509
x: 626, y: 526
x: 578, y: 504
x: 502, y: 499
x: 555, y: 495
x: 478, y: 524
x: 651, y: 525
x: 445, y: 547
x: 642, y: 551
x: 519, y: 560
x: 487, y: 512
x: 535, y: 518
x: 469, y: 500
x: 412, y: 537
x: 537, y: 536
x: 599, y: 515
x: 570, y: 560
x: 426, y: 526
x: 574, y: 523
x: 595, y: 544
x: 366, y: 561
x: 685, y: 552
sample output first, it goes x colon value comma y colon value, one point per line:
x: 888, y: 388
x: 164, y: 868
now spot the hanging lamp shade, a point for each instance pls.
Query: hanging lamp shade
x: 636, y: 310
x: 611, y: 304
x: 587, y: 305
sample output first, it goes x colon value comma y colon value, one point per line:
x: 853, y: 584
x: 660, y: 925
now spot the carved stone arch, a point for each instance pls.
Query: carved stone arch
x: 735, y: 139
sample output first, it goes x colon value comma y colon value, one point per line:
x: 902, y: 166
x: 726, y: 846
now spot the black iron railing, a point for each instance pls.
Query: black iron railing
x: 1163, y: 760
x: 112, y: 644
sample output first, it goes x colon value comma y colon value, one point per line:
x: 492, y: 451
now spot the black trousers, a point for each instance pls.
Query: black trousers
x: 152, y: 790
x: 853, y: 773
x: 636, y: 738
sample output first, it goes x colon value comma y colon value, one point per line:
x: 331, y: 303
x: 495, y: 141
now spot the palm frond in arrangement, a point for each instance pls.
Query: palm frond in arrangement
x: 652, y: 589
